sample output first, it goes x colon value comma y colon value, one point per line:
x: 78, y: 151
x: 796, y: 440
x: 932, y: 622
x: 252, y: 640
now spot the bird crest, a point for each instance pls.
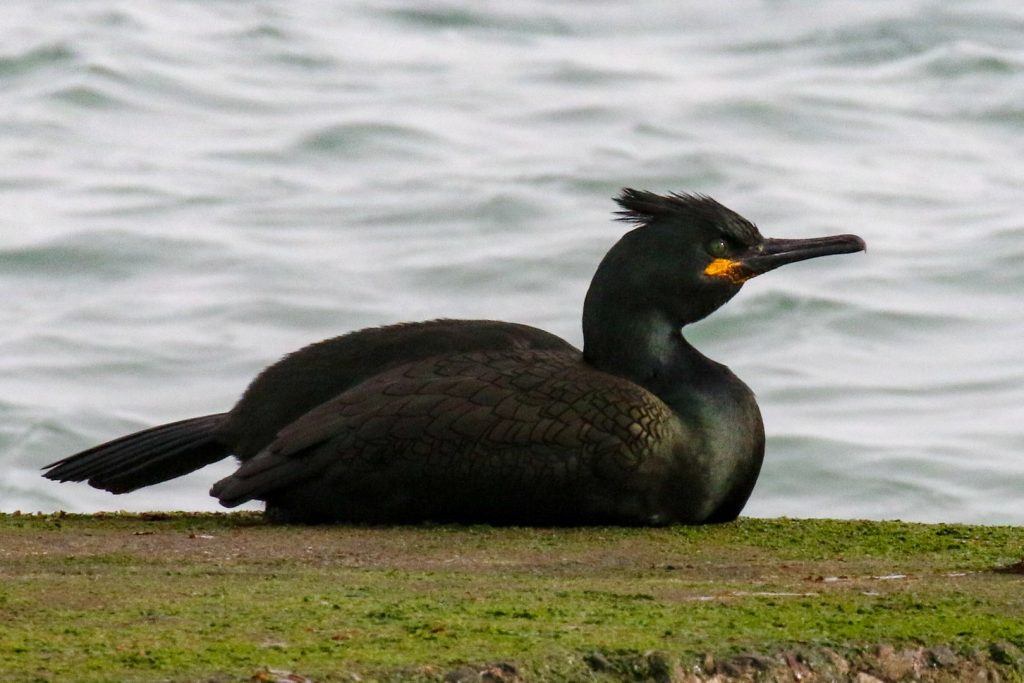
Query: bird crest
x: 643, y: 208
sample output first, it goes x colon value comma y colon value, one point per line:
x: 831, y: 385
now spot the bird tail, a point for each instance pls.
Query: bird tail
x: 144, y: 458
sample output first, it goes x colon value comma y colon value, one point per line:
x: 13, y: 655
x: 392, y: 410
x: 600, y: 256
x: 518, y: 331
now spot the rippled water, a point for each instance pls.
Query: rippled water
x: 190, y: 190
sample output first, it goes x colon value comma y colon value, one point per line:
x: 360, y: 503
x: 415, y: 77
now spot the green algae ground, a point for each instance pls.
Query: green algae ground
x: 222, y: 596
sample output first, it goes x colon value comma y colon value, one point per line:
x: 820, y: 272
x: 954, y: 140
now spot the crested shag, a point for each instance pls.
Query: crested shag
x: 495, y: 422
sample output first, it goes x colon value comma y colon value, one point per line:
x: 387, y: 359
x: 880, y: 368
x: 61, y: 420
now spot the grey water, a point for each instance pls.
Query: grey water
x: 190, y: 190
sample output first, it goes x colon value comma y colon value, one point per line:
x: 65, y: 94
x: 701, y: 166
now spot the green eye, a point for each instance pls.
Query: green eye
x: 718, y: 248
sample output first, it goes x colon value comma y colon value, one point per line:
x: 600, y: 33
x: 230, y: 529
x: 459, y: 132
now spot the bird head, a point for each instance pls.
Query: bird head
x: 689, y: 254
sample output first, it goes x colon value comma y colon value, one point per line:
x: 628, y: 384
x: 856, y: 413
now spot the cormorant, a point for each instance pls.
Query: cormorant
x: 495, y: 422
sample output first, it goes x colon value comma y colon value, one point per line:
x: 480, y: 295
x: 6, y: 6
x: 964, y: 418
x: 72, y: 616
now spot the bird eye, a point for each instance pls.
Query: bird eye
x: 718, y: 248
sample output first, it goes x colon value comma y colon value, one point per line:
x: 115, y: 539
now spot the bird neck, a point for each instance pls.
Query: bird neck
x: 644, y: 346
x: 633, y: 328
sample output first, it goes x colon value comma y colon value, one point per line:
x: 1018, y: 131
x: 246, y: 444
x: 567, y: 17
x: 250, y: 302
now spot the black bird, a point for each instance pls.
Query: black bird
x: 486, y: 421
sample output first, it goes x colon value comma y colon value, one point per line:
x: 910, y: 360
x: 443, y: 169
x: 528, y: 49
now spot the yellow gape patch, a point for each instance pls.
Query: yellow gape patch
x: 733, y: 270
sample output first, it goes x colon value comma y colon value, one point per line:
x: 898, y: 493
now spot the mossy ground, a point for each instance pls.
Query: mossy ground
x: 201, y: 596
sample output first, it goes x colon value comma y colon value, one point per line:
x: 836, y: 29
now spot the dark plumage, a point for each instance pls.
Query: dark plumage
x: 485, y: 421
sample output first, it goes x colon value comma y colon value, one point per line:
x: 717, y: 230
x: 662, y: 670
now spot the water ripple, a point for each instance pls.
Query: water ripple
x: 35, y: 59
x: 369, y: 140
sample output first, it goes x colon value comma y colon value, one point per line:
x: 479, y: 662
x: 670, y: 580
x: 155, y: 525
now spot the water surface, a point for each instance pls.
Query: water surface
x: 191, y: 190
